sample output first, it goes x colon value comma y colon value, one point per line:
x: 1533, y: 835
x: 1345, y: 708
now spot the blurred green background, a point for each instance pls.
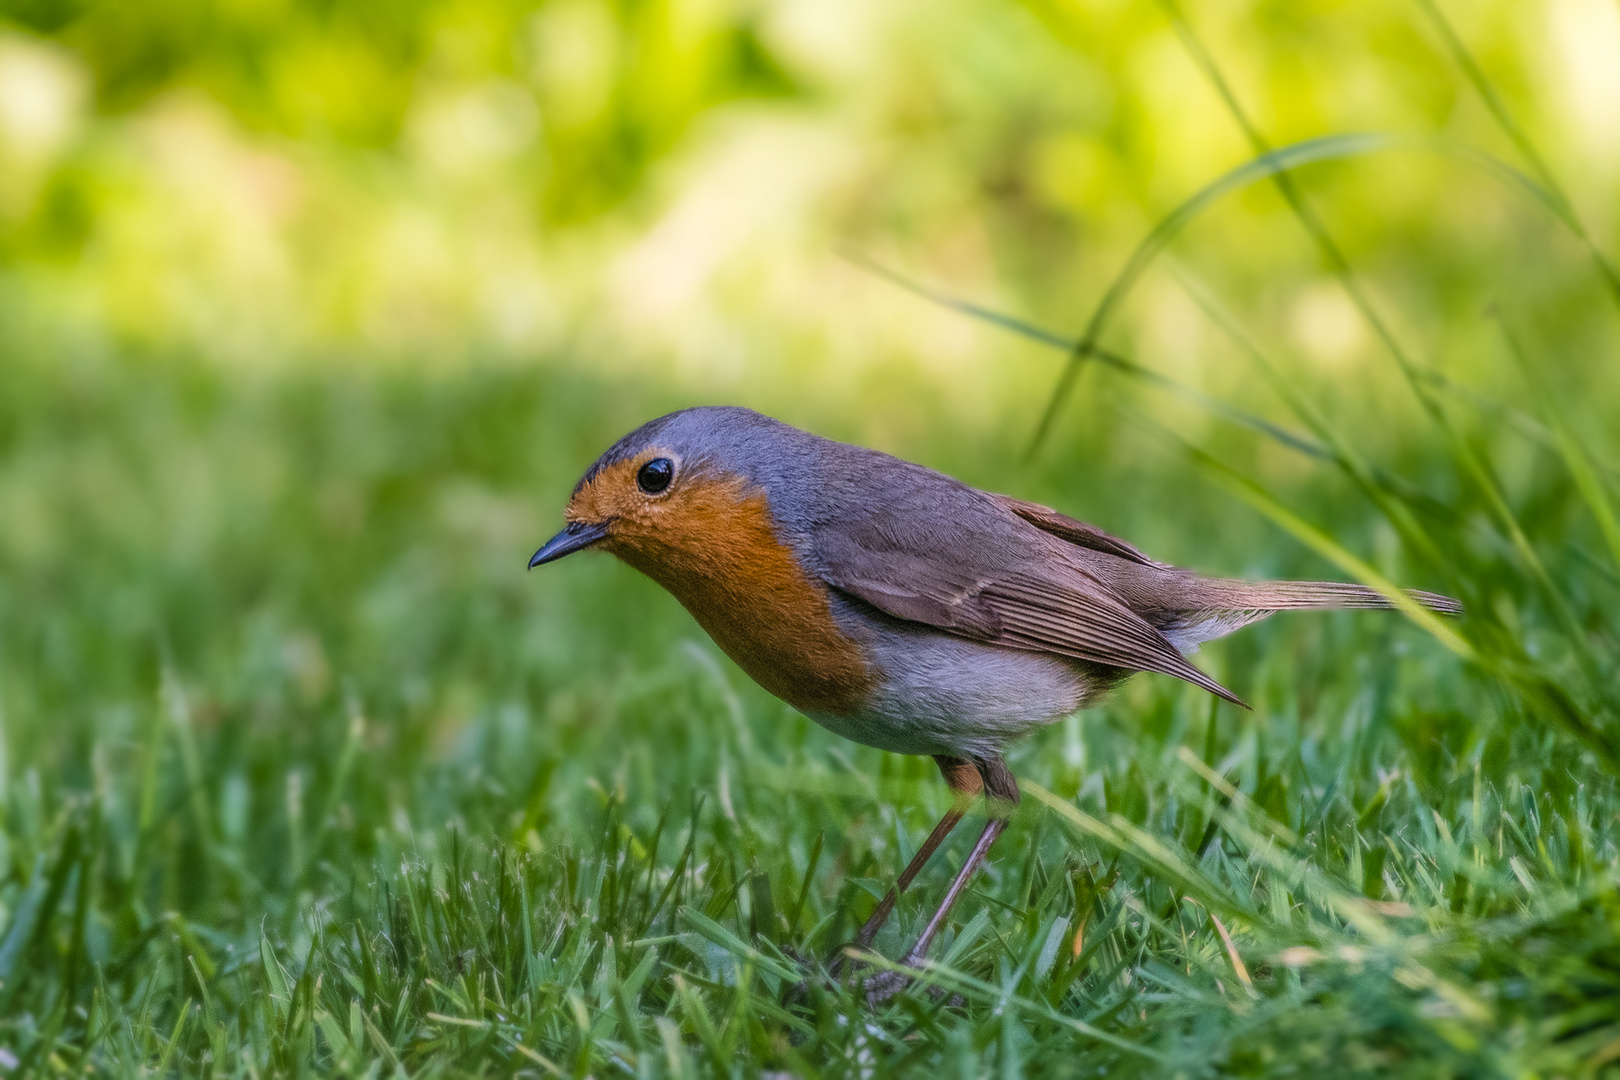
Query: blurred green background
x: 264, y: 185
x: 312, y: 313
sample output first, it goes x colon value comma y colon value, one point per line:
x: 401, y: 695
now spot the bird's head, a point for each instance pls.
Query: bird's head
x: 664, y: 497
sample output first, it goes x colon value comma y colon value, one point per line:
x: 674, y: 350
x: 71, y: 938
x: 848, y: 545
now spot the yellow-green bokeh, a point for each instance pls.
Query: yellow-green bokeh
x: 671, y: 185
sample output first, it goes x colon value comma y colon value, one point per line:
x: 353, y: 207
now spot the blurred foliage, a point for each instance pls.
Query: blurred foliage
x: 264, y: 182
x: 257, y: 137
x: 618, y: 84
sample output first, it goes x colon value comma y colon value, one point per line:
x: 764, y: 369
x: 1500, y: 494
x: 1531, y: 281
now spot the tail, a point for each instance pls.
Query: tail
x: 1305, y: 595
x: 1204, y: 609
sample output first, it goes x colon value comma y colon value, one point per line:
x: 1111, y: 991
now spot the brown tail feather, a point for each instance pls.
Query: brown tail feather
x: 1203, y: 609
x: 1232, y: 595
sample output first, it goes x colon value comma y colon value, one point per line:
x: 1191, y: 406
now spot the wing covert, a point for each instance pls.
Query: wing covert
x: 991, y: 576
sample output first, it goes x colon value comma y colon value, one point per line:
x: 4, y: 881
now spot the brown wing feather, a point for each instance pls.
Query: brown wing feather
x: 994, y: 581
x: 1073, y: 530
x: 1178, y: 590
x: 1088, y: 624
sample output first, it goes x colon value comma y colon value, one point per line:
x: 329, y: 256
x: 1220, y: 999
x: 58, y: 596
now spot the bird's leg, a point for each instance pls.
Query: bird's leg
x: 963, y: 780
x: 1001, y: 795
x: 962, y: 777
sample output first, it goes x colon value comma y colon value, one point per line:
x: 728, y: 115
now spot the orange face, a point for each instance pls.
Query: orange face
x: 617, y: 498
x: 692, y: 530
x: 711, y: 541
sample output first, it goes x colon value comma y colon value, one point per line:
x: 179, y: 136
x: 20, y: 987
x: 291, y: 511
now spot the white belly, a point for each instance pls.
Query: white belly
x: 939, y: 694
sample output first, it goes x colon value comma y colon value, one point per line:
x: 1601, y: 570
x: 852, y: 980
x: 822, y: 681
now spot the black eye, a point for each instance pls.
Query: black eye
x: 655, y: 475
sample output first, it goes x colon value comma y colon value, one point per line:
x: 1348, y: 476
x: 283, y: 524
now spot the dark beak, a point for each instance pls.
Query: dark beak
x: 578, y: 536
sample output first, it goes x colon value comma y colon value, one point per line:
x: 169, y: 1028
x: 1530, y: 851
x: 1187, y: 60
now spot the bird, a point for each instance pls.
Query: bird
x: 901, y: 608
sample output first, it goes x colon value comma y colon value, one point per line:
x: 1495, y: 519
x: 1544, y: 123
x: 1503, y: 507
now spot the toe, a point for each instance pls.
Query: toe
x: 884, y: 985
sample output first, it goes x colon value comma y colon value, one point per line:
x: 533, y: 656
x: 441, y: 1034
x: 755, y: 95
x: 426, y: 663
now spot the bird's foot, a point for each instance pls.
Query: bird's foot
x: 830, y: 972
x: 885, y: 985
x: 851, y: 956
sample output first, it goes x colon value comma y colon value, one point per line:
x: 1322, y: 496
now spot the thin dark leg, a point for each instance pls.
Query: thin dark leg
x: 963, y: 778
x: 870, y: 928
x: 1001, y: 793
x: 994, y: 828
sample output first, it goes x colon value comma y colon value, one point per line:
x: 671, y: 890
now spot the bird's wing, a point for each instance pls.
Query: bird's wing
x: 979, y: 571
x: 1074, y: 531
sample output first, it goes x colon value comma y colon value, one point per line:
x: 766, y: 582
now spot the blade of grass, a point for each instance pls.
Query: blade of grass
x: 1394, y: 505
x: 1575, y: 457
x: 1389, y: 493
x: 1109, y: 358
x: 1540, y: 690
x: 340, y: 775
x: 1123, y: 836
x: 1269, y: 164
x: 1558, y: 199
x: 1465, y: 454
x: 933, y: 973
x: 1324, y: 545
x: 1277, y: 165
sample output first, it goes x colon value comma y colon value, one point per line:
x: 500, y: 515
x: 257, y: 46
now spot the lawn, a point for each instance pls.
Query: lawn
x: 304, y: 773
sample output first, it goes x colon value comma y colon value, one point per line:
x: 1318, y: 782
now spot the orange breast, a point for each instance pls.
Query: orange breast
x: 720, y: 557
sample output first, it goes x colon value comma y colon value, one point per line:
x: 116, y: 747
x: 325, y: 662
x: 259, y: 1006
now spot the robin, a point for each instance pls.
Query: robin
x: 899, y: 607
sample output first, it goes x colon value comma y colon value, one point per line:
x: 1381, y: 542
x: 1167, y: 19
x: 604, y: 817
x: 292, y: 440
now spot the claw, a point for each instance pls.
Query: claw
x: 885, y: 985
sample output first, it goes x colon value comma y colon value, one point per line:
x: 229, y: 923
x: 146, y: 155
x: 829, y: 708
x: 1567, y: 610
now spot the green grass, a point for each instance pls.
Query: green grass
x: 304, y: 774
